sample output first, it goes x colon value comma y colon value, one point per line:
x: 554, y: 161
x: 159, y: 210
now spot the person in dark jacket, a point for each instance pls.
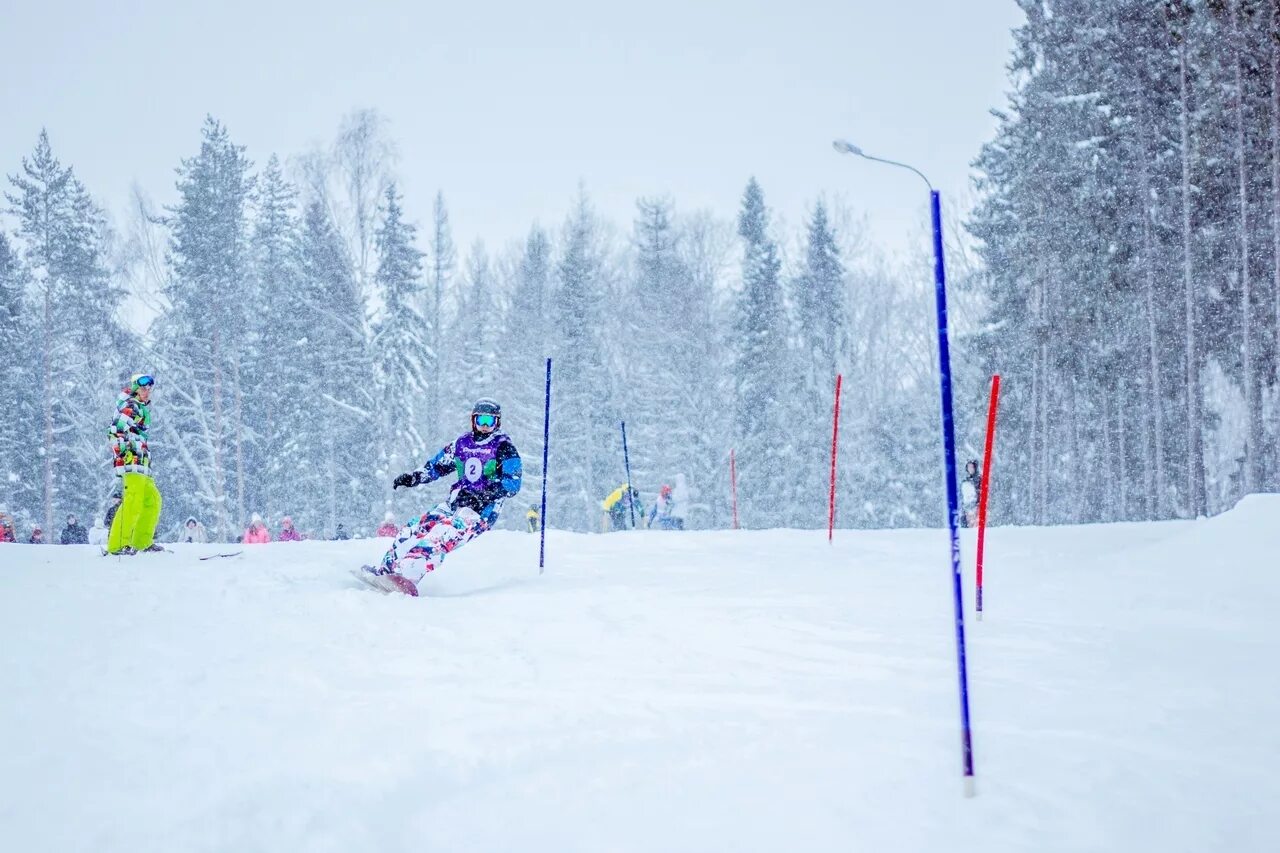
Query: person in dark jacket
x: 74, y: 533
x: 116, y: 497
x: 37, y: 536
x: 970, y: 490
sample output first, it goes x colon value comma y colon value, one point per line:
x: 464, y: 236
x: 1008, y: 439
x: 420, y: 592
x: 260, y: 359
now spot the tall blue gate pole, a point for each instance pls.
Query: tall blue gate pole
x: 953, y: 502
x: 546, y: 444
x: 948, y: 448
x: 626, y: 461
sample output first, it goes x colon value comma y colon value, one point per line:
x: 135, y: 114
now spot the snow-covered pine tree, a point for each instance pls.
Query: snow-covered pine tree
x: 273, y: 379
x: 204, y: 333
x: 402, y: 347
x: 443, y: 259
x: 586, y: 450
x: 76, y: 337
x: 335, y: 423
x: 476, y: 336
x: 765, y: 446
x: 19, y: 467
x: 822, y: 313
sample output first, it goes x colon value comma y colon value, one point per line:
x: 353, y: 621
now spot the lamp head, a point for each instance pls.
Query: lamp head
x: 846, y: 147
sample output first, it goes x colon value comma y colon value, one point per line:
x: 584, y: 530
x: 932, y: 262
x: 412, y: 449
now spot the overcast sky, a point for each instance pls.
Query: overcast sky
x: 506, y: 107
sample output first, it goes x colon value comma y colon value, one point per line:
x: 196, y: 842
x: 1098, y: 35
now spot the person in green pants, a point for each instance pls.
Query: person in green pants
x: 134, y: 527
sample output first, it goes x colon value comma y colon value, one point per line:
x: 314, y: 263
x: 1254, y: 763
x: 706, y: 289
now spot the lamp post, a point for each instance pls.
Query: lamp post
x: 948, y: 446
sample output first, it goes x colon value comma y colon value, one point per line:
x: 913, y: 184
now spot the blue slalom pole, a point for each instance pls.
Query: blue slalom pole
x: 546, y: 444
x: 626, y: 461
x: 953, y: 502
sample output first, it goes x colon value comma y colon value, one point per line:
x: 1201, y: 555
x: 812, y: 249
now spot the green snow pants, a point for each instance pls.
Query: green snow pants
x: 135, y: 521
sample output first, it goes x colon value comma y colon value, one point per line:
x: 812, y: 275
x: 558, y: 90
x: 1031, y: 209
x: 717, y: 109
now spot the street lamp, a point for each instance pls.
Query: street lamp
x: 948, y: 444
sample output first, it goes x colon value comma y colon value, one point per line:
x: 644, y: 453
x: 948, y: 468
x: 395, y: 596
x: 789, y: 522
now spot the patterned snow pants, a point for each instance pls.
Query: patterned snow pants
x: 423, y: 542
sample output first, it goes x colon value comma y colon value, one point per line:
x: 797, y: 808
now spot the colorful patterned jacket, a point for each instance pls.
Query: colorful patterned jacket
x: 128, y: 434
x: 488, y: 470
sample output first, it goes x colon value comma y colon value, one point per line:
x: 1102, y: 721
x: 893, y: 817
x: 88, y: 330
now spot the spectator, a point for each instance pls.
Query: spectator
x: 970, y: 488
x: 681, y: 496
x: 287, y: 531
x: 74, y: 533
x: 257, y: 533
x: 618, y: 513
x: 193, y: 531
x: 532, y: 518
x: 388, y: 526
x: 6, y: 527
x: 98, y: 534
x: 116, y: 497
x: 341, y: 534
x: 37, y: 537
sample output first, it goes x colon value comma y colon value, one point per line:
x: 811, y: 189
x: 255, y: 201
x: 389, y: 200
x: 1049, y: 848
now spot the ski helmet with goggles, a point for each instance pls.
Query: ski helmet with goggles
x: 139, y: 381
x: 486, y: 415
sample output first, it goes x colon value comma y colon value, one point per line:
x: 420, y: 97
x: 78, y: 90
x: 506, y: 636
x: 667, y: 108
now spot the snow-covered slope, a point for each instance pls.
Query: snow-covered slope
x: 725, y: 691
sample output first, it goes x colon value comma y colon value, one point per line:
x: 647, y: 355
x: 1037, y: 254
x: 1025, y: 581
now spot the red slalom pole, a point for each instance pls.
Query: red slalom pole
x: 733, y: 486
x: 835, y: 434
x: 987, y: 461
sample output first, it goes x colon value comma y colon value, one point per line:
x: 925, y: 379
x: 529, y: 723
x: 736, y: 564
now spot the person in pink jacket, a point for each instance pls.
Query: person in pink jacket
x: 287, y: 531
x: 388, y: 526
x: 257, y: 532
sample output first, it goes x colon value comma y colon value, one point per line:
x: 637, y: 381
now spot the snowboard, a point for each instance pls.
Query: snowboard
x: 385, y: 584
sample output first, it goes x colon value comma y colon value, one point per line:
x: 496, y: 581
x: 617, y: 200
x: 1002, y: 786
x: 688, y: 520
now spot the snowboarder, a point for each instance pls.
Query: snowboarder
x: 970, y: 488
x: 488, y: 470
x: 74, y: 533
x: 134, y: 526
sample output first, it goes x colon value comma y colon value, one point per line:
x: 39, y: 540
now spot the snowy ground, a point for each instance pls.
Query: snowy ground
x: 754, y: 691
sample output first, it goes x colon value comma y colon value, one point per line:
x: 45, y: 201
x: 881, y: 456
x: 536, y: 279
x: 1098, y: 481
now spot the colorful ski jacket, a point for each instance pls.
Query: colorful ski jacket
x: 128, y: 435
x: 488, y: 469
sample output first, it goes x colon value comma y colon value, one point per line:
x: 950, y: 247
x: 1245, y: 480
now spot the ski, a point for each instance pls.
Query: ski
x: 215, y: 556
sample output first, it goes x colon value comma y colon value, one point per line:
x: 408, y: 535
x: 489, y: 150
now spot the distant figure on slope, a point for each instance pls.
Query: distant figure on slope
x: 340, y: 533
x: 533, y: 518
x: 6, y: 527
x: 257, y: 533
x: 113, y: 506
x: 661, y: 513
x: 37, y: 537
x: 288, y: 533
x: 618, y: 513
x: 970, y: 489
x: 74, y: 533
x: 133, y: 527
x: 488, y: 469
x: 193, y: 532
x: 388, y: 526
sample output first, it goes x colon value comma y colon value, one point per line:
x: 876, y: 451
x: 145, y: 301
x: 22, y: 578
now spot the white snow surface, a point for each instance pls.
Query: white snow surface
x: 719, y: 691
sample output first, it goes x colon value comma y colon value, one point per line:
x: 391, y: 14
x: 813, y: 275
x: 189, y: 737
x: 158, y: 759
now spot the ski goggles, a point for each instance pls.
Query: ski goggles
x: 485, y: 421
x: 145, y: 382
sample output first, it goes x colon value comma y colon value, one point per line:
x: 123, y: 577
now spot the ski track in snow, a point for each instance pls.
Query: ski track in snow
x: 717, y: 691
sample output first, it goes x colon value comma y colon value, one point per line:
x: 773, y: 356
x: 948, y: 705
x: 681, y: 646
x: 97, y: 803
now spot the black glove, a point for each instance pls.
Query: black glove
x: 410, y: 479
